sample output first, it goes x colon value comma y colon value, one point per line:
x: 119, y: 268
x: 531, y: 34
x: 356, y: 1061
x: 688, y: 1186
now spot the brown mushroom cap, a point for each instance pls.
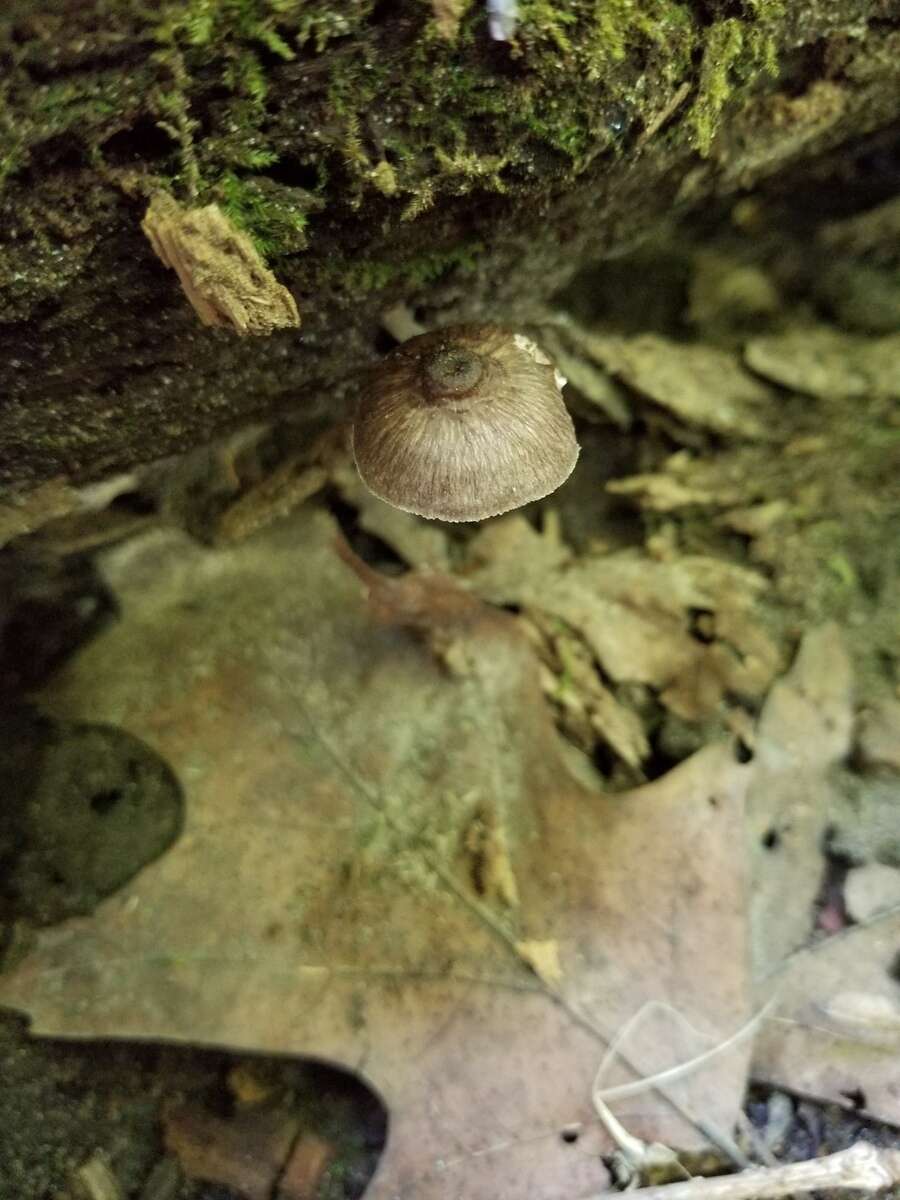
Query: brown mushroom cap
x: 462, y: 424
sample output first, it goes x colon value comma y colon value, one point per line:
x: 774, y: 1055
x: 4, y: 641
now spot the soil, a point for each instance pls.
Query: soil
x: 63, y: 1104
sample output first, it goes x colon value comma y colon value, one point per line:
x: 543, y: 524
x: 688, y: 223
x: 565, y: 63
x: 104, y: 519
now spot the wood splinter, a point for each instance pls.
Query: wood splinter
x: 220, y: 270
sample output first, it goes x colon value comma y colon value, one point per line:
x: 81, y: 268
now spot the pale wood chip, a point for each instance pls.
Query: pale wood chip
x: 220, y: 270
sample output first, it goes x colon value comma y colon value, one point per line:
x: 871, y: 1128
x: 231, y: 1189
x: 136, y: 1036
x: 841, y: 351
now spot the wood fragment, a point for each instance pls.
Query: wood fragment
x: 447, y: 16
x: 271, y: 499
x: 94, y: 1180
x: 245, y: 1153
x: 310, y: 1159
x: 220, y: 270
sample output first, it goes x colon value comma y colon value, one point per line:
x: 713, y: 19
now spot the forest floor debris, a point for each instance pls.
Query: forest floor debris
x: 862, y: 1168
x: 465, y: 808
x: 253, y: 722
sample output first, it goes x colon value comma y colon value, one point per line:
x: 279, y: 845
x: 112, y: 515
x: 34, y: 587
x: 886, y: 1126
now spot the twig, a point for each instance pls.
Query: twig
x: 656, y: 123
x: 635, y: 1158
x: 623, y: 1091
x: 862, y: 1167
x: 753, y: 1138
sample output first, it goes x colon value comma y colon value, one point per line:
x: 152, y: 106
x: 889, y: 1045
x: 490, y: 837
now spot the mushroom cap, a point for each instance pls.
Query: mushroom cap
x: 462, y: 424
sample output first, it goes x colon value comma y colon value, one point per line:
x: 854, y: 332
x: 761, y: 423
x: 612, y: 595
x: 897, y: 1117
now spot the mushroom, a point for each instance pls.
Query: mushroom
x: 462, y: 424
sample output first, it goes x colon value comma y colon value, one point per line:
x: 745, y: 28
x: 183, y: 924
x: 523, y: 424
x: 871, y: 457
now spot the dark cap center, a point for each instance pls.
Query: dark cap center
x: 452, y: 371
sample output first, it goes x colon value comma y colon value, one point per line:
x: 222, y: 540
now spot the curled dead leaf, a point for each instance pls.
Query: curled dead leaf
x: 822, y: 361
x: 701, y: 385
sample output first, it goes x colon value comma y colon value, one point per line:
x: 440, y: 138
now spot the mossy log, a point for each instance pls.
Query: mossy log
x: 374, y: 151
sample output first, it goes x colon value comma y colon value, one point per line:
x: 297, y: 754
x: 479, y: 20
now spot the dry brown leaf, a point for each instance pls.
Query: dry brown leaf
x: 836, y: 1032
x: 321, y: 900
x: 619, y: 727
x: 742, y: 661
x: 756, y: 520
x: 635, y: 612
x: 663, y: 493
x: 595, y: 385
x: 630, y: 610
x: 822, y: 361
x: 586, y: 708
x: 700, y: 384
x: 804, y: 730
x: 685, y: 481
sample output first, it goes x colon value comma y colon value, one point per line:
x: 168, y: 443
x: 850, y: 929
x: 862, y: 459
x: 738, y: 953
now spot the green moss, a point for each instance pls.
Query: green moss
x: 542, y: 19
x: 273, y: 215
x: 13, y: 142
x: 370, y: 275
x: 232, y: 36
x: 203, y: 22
x: 724, y: 46
x: 84, y: 108
x: 735, y: 52
x: 428, y: 268
x: 596, y: 33
x: 253, y: 92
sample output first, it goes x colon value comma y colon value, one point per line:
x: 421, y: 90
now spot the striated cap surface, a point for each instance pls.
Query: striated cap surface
x: 462, y: 424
